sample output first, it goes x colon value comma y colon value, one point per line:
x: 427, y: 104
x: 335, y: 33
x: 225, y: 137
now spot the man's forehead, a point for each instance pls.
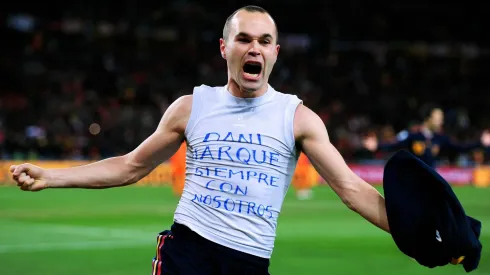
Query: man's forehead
x: 252, y: 23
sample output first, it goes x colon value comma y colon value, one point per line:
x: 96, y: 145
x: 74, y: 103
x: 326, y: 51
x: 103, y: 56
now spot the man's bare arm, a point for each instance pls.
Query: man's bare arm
x: 115, y: 171
x: 357, y: 194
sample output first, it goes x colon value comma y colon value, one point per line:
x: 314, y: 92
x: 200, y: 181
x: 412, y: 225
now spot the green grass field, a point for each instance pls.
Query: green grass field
x: 113, y: 232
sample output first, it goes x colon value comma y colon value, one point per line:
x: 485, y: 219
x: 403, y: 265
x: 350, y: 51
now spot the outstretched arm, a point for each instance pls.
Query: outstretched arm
x: 466, y: 147
x: 402, y: 141
x: 396, y: 145
x: 115, y: 171
x: 358, y: 195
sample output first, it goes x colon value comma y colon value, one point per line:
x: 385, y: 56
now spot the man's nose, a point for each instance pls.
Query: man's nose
x: 254, y: 49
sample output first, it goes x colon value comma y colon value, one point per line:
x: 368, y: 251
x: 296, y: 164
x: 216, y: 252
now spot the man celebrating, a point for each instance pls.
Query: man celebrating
x: 243, y: 142
x: 428, y: 140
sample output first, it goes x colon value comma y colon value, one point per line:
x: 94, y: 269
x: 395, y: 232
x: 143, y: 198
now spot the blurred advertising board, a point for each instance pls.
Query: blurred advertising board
x: 373, y: 174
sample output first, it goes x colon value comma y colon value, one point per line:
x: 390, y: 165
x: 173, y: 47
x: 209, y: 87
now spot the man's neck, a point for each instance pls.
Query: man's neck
x: 237, y: 91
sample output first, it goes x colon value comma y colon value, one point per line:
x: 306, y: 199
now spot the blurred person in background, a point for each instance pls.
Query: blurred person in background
x: 177, y: 162
x: 304, y: 179
x: 426, y: 141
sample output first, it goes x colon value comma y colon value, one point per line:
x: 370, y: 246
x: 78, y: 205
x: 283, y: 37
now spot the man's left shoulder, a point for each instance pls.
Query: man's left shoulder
x: 286, y: 98
x: 307, y: 123
x: 284, y: 95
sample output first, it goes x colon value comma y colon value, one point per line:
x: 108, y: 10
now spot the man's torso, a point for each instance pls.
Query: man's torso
x: 241, y: 156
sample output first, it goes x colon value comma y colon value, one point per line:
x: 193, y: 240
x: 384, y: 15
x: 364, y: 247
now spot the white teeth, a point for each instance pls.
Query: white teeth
x: 252, y: 75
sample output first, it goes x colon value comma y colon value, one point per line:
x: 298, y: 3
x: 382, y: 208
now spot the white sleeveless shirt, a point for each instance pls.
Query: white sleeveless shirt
x: 241, y: 156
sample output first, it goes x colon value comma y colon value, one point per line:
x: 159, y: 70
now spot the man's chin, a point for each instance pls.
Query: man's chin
x: 250, y: 87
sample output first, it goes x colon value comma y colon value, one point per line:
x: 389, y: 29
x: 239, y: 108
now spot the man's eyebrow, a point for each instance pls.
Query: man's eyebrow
x: 265, y: 35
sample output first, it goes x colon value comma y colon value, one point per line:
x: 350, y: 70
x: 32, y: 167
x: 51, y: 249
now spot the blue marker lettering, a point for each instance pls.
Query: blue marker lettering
x: 273, y: 158
x: 268, y: 210
x: 225, y: 187
x: 234, y: 173
x: 239, y: 190
x: 273, y: 180
x: 224, y: 149
x: 259, y: 138
x: 238, y: 155
x: 240, y: 206
x: 241, y: 138
x: 226, y: 204
x: 259, y: 210
x: 198, y: 172
x: 217, y: 201
x: 206, y: 152
x: 263, y: 177
x: 217, y: 172
x: 196, y: 198
x: 264, y: 157
x: 251, y: 174
x: 229, y: 135
x: 208, y: 184
x: 207, y: 200
x: 208, y: 135
x: 251, y: 205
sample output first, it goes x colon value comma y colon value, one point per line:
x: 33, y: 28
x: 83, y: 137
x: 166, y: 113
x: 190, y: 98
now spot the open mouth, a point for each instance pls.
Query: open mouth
x: 252, y: 70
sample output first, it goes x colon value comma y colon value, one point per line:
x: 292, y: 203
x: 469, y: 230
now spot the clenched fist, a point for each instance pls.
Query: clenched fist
x: 29, y: 177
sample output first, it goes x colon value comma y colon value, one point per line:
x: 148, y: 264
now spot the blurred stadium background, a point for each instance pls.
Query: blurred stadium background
x: 86, y: 80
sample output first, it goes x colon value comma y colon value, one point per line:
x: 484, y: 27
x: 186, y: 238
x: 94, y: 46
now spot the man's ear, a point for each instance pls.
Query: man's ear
x: 222, y: 46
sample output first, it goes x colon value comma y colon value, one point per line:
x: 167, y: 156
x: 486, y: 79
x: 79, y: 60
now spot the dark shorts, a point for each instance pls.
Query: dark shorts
x: 181, y: 251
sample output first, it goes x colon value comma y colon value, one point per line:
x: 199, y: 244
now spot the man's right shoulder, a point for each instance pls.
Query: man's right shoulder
x: 178, y: 113
x: 181, y: 107
x: 183, y: 103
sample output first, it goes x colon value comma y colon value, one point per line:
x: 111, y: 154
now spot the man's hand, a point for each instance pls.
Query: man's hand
x: 485, y: 138
x: 370, y: 143
x: 29, y: 177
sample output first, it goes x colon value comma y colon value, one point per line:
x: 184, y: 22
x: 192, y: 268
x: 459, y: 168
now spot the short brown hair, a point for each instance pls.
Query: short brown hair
x: 250, y: 8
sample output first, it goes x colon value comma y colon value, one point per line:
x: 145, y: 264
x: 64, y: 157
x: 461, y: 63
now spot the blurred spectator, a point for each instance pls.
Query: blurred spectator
x: 91, y: 82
